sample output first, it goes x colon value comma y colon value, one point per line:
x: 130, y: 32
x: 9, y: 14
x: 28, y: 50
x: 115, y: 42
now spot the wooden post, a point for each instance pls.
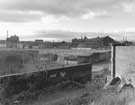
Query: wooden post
x: 113, y: 60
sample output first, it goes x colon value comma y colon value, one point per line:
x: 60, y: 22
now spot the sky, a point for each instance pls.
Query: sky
x: 67, y: 19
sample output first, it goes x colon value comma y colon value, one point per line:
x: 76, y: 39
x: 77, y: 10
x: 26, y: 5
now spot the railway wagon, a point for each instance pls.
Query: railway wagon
x: 16, y: 83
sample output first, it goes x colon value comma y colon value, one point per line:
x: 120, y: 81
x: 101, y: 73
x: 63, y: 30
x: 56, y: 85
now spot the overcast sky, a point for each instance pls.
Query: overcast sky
x: 64, y: 19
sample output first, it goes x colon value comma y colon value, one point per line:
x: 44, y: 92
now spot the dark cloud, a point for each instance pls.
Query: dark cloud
x: 59, y: 7
x: 70, y: 8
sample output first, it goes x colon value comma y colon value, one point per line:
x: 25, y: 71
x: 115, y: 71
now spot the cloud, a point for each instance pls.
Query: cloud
x: 91, y: 15
x: 19, y: 16
x: 129, y: 7
x: 68, y: 8
x: 58, y: 35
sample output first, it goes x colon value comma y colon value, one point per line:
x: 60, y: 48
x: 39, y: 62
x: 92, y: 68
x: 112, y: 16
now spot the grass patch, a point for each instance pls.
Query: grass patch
x: 127, y: 97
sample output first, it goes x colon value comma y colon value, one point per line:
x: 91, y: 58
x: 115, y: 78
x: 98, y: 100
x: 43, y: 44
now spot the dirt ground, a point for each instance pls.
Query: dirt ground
x: 63, y: 95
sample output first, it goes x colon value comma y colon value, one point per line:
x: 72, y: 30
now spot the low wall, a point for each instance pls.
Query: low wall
x: 100, y: 57
x: 95, y: 58
x: 16, y: 83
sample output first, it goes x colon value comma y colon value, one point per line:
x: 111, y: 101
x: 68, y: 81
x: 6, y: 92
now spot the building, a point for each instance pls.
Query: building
x: 49, y: 57
x: 3, y: 44
x: 98, y: 42
x: 20, y: 45
x: 69, y: 60
x: 39, y: 41
x: 95, y: 57
x: 25, y: 44
x: 61, y: 45
x: 16, y: 61
x: 12, y: 41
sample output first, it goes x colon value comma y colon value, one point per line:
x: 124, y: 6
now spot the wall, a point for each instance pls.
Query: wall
x: 3, y: 45
x: 125, y: 63
x: 14, y: 61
